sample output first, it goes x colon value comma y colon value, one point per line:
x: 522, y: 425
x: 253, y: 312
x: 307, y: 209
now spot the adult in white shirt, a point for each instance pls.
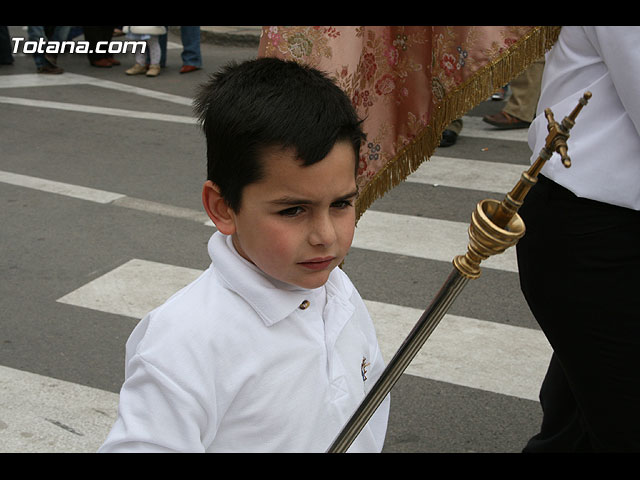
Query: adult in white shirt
x: 580, y: 257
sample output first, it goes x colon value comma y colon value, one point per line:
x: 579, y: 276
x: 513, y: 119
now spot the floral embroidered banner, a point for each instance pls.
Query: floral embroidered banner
x: 409, y: 82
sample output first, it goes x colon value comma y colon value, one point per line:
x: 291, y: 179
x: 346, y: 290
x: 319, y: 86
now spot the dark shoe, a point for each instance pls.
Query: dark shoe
x: 113, y: 61
x: 52, y: 69
x: 51, y: 58
x: 188, y: 68
x: 504, y: 121
x: 449, y: 137
x: 101, y: 63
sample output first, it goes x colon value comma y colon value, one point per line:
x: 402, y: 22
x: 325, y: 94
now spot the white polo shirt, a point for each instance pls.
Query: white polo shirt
x: 231, y: 363
x: 604, y: 145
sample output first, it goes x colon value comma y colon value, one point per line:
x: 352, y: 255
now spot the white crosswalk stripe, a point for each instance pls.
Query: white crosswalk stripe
x: 475, y: 353
x: 470, y: 174
x: 420, y: 237
x: 461, y: 351
x: 43, y: 414
x: 35, y: 80
x: 117, y: 112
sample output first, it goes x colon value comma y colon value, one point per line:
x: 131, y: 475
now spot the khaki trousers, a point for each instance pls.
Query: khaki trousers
x: 525, y: 92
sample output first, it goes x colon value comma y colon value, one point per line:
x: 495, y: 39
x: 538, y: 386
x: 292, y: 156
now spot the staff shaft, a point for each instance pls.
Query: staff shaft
x: 400, y: 361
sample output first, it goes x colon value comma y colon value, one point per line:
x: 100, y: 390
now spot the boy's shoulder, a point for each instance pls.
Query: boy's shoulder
x: 194, y: 313
x: 339, y: 282
x: 209, y: 310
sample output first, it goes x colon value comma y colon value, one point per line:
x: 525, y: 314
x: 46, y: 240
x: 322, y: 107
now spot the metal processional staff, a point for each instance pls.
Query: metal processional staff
x: 495, y: 226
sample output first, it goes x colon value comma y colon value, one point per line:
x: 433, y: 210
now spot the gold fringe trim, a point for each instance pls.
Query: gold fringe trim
x: 454, y: 105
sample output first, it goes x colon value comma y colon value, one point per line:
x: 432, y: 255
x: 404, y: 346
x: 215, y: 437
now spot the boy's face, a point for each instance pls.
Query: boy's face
x: 297, y: 223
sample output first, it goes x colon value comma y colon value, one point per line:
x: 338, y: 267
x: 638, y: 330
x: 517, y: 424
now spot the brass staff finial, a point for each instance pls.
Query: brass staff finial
x: 495, y: 226
x: 558, y: 133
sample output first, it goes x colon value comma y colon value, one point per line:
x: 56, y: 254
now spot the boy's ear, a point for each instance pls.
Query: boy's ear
x: 216, y: 207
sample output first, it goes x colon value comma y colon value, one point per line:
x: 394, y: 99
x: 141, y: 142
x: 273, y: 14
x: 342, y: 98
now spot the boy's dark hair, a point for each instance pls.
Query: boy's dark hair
x: 248, y: 107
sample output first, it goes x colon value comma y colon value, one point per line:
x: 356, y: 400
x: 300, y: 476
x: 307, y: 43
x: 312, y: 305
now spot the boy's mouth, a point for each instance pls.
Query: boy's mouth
x: 319, y: 263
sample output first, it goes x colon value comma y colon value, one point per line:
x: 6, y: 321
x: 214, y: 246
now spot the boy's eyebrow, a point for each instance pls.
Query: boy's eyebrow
x: 287, y: 200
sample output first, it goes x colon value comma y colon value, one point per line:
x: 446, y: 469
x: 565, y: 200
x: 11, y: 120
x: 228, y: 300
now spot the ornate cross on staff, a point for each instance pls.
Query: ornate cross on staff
x: 495, y: 226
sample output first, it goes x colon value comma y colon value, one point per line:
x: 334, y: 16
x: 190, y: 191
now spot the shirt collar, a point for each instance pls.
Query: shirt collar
x: 272, y: 299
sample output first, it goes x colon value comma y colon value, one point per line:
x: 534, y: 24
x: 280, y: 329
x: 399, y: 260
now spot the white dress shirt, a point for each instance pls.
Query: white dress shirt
x: 604, y: 144
x: 231, y: 363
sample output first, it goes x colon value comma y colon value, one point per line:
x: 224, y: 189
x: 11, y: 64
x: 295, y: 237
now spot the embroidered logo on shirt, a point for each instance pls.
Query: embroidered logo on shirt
x: 363, y: 368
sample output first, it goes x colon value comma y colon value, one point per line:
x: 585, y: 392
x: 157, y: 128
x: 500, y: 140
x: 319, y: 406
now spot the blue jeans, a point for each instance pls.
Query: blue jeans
x: 190, y: 47
x: 35, y: 33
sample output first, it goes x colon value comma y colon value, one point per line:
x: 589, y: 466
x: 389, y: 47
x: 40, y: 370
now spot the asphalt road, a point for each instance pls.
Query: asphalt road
x: 100, y: 180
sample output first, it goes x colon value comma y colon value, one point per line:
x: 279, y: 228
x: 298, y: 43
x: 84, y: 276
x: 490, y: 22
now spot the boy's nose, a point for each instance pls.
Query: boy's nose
x: 323, y: 231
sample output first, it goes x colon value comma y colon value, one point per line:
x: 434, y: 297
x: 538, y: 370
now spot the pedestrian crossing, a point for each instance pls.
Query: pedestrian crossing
x: 40, y: 413
x: 461, y: 350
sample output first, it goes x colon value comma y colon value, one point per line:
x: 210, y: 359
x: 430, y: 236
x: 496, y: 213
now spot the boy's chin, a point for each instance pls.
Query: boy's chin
x: 315, y: 280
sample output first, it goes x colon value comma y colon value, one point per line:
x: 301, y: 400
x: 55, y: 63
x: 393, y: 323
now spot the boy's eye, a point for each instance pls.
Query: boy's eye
x: 298, y: 210
x: 342, y: 204
x: 291, y: 212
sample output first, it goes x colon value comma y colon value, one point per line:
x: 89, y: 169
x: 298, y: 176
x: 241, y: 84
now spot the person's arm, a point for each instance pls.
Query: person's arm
x: 155, y: 414
x: 618, y: 47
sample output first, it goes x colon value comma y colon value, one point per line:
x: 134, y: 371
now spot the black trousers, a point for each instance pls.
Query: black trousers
x: 93, y: 35
x: 579, y: 265
x: 6, y: 58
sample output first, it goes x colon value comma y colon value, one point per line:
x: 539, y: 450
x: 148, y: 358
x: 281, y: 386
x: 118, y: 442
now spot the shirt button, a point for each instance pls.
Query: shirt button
x: 304, y: 305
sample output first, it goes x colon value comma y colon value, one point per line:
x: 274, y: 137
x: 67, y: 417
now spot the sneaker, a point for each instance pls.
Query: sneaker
x: 154, y: 71
x: 137, y: 69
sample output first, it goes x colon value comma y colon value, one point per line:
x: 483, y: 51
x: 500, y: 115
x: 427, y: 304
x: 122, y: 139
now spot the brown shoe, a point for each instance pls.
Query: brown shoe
x: 51, y: 58
x: 188, y: 68
x: 101, y: 63
x: 504, y: 121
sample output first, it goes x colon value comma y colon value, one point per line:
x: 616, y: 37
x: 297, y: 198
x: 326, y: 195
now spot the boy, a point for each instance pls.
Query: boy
x: 271, y: 349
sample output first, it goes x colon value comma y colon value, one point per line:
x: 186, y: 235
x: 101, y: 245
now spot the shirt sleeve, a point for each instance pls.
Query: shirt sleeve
x: 618, y: 48
x: 155, y: 415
